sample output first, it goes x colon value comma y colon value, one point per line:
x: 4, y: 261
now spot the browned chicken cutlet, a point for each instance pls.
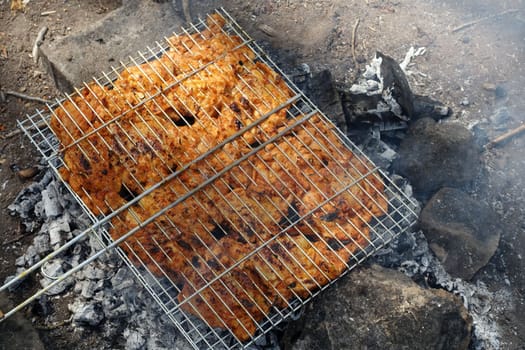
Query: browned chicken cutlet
x: 235, y: 239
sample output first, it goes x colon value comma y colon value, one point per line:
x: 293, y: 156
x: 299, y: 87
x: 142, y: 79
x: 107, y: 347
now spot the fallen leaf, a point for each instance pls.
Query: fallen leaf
x: 28, y: 173
x: 17, y: 5
x: 3, y: 52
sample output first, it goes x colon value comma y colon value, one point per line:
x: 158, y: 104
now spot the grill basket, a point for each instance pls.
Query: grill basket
x: 245, y: 226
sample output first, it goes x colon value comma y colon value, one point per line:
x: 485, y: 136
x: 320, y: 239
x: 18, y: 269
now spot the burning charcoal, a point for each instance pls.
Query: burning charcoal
x: 88, y: 289
x: 135, y: 340
x: 380, y: 152
x: 320, y: 88
x: 43, y: 307
x: 90, y: 314
x: 57, y: 228
x: 51, y: 202
x: 50, y: 271
x: 20, y: 261
x: 381, y: 95
x: 122, y: 279
x: 94, y: 273
x: 118, y: 312
x: 31, y: 256
x: 41, y: 244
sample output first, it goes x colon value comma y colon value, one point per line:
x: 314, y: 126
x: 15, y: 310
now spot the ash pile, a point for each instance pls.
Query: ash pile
x: 418, y: 292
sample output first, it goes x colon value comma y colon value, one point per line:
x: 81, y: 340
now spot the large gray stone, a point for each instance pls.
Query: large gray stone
x: 463, y: 232
x: 78, y: 58
x: 434, y: 155
x: 377, y: 308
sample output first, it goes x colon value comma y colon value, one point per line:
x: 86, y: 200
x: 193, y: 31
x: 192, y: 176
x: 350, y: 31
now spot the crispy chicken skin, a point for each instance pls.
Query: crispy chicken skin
x: 280, y: 224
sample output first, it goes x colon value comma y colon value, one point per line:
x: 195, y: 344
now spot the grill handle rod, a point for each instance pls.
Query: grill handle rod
x: 151, y: 218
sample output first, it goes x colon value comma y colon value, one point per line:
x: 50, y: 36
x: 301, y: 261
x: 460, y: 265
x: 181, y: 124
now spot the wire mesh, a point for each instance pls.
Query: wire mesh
x: 231, y: 197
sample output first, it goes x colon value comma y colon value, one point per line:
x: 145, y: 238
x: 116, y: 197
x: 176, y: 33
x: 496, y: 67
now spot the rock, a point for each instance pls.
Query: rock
x: 378, y: 308
x: 17, y: 332
x: 463, y: 232
x: 77, y: 58
x: 434, y: 155
x: 87, y: 314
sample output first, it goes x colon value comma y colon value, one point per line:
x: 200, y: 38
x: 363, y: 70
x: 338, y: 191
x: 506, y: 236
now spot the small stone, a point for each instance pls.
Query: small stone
x: 500, y: 92
x: 465, y: 102
x: 489, y: 86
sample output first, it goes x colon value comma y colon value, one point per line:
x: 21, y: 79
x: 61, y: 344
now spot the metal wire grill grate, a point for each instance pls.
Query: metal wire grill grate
x: 232, y: 198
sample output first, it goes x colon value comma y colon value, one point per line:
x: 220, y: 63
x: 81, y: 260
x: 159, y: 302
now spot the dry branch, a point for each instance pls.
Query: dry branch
x: 471, y: 23
x: 505, y: 136
x: 354, y: 38
x: 40, y: 124
x: 39, y: 40
x: 26, y: 97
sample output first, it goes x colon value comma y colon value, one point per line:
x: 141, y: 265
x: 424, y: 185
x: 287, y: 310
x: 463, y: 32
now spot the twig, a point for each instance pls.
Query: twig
x: 39, y: 40
x: 47, y: 13
x: 471, y: 23
x: 54, y: 325
x: 40, y: 124
x: 505, y: 136
x: 13, y: 240
x: 26, y: 97
x: 354, y: 38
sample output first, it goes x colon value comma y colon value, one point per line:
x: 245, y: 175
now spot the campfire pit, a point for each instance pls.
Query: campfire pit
x: 273, y: 211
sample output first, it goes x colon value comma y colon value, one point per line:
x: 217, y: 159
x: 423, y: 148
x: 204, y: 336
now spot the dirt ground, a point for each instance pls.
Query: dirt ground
x: 477, y: 70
